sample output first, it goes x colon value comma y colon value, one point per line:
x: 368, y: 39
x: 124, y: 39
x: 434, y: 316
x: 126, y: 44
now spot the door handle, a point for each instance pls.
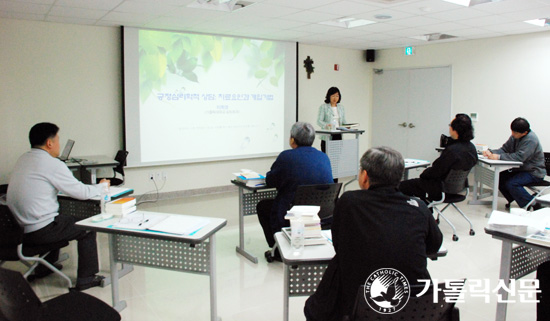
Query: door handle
x: 411, y: 125
x: 404, y: 124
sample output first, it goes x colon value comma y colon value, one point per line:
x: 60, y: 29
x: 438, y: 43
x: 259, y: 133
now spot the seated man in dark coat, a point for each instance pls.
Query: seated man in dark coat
x: 301, y: 165
x: 459, y: 154
x: 374, y: 228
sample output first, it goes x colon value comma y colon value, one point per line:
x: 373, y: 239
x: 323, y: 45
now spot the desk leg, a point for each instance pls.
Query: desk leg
x: 124, y: 269
x: 240, y: 249
x: 286, y: 291
x: 477, y: 185
x: 117, y: 305
x: 505, y: 266
x: 495, y: 190
x: 213, y: 287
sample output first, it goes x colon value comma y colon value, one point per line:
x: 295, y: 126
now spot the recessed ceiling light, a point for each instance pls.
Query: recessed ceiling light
x: 219, y: 5
x: 543, y: 22
x: 382, y: 16
x: 347, y: 22
x: 471, y: 3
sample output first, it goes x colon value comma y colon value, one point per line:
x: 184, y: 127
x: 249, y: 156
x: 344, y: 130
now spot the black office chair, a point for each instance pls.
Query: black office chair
x: 12, y: 249
x: 324, y: 195
x: 455, y: 189
x: 18, y: 302
x: 536, y: 187
x: 417, y: 308
x: 120, y: 157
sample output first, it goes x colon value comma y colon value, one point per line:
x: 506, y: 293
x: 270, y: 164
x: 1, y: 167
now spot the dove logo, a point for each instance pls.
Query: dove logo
x: 387, y: 291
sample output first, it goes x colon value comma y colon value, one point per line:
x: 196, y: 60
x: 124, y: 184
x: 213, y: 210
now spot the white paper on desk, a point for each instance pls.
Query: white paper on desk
x: 180, y: 224
x: 415, y: 161
x: 537, y: 219
x: 139, y: 220
x: 304, y: 210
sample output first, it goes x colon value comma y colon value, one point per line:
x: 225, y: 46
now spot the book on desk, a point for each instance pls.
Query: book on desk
x: 250, y: 178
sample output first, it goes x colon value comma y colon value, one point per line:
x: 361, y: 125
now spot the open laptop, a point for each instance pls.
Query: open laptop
x: 67, y: 151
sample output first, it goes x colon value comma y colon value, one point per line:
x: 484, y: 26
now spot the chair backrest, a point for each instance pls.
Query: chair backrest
x: 547, y: 163
x: 324, y: 195
x: 17, y: 299
x: 120, y: 157
x: 11, y: 235
x: 456, y: 181
x: 417, y: 308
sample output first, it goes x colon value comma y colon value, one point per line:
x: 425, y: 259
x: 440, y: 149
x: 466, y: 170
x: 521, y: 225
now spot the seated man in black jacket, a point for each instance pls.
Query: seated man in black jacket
x: 376, y: 227
x: 459, y: 154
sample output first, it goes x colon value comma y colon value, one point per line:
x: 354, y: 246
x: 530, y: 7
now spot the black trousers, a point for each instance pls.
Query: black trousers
x: 63, y: 228
x: 264, y: 208
x: 426, y: 190
x: 543, y: 307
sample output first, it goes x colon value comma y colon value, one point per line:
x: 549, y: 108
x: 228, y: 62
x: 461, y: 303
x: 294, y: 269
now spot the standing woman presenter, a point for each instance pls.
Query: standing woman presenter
x: 331, y: 115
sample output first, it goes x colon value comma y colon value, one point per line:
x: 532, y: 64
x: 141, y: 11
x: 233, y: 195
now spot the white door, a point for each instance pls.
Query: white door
x: 411, y: 109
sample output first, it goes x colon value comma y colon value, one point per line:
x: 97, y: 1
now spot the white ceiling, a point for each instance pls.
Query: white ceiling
x: 298, y: 20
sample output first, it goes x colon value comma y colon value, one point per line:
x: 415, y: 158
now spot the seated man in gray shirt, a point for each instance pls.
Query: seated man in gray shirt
x: 524, y: 146
x: 36, y: 180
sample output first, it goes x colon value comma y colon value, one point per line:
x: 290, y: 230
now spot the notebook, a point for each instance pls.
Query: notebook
x: 67, y: 150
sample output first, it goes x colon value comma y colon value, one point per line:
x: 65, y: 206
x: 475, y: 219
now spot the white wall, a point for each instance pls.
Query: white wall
x: 68, y: 75
x: 499, y: 78
x: 354, y: 79
x: 71, y: 75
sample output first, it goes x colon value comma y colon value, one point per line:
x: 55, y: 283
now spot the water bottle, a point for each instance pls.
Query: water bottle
x: 334, y: 123
x: 105, y: 197
x: 297, y: 236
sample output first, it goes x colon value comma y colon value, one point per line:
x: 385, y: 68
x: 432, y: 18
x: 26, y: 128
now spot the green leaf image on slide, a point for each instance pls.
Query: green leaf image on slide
x: 184, y: 55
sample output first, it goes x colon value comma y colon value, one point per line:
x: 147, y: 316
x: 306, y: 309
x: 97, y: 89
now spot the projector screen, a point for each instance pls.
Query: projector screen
x: 194, y: 97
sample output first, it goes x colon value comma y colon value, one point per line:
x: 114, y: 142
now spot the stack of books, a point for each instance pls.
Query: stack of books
x: 312, y: 223
x: 251, y: 178
x: 122, y: 206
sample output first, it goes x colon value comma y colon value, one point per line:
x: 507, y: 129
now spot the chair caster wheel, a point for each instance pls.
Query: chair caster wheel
x: 268, y: 256
x: 455, y: 238
x: 472, y: 232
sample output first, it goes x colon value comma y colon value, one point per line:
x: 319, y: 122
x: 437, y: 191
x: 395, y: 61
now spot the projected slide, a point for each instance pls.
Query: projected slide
x: 209, y: 97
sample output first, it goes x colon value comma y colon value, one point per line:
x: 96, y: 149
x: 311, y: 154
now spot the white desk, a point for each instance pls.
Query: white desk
x: 411, y: 163
x: 303, y: 273
x: 518, y: 258
x: 195, y: 253
x: 487, y: 172
x: 248, y: 199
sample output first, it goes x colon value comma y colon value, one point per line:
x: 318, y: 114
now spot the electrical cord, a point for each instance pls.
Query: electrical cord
x: 156, y: 190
